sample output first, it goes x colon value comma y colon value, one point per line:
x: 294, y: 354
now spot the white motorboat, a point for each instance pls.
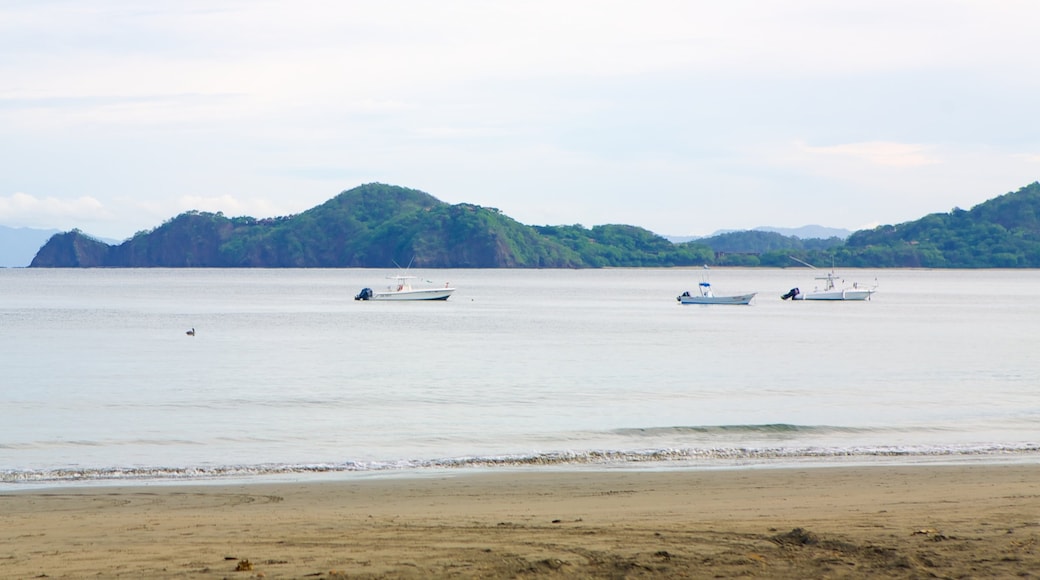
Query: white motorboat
x: 707, y: 296
x: 832, y: 291
x: 402, y: 288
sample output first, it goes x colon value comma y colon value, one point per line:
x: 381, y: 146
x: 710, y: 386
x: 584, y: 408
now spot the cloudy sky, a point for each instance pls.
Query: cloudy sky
x: 680, y: 116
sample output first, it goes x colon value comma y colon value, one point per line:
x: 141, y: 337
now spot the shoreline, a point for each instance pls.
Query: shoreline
x: 974, y: 519
x: 16, y: 480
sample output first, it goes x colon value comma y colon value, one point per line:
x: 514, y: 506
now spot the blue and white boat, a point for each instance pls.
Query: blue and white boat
x: 707, y: 296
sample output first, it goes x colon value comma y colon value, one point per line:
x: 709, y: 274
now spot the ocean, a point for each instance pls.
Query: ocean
x: 287, y: 376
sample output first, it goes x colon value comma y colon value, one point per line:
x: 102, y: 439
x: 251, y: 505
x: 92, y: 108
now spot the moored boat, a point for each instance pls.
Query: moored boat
x: 402, y: 288
x: 707, y: 295
x: 834, y: 288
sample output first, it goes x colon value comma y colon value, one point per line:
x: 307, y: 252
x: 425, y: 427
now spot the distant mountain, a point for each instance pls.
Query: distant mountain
x: 372, y: 226
x: 762, y: 241
x: 19, y: 245
x: 809, y: 232
x: 803, y: 233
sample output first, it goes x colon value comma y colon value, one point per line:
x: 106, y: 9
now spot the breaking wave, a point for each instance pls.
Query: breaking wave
x: 694, y: 458
x: 764, y: 429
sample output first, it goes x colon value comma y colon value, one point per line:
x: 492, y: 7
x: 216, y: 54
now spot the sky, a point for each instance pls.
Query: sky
x: 684, y: 117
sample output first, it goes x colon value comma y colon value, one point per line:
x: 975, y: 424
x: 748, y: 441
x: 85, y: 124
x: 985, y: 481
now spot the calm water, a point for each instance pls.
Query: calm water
x: 289, y: 375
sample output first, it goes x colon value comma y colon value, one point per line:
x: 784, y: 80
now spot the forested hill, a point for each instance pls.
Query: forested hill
x: 376, y: 225
x: 373, y: 226
x: 1003, y: 232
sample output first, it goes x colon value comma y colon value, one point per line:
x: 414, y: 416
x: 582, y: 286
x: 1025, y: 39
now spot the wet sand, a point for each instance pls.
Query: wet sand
x: 966, y: 521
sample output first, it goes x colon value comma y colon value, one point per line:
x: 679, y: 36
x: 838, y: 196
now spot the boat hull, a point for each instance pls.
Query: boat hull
x: 837, y: 295
x: 423, y: 294
x: 737, y: 299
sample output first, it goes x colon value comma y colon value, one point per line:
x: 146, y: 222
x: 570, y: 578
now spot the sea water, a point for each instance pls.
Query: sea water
x: 287, y: 374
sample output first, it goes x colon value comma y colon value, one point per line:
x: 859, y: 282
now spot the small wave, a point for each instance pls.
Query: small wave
x: 777, y: 428
x: 783, y: 430
x: 698, y: 457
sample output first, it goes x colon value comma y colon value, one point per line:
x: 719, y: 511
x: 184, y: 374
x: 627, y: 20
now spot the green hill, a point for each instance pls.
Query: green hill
x: 1003, y: 232
x: 376, y: 225
x: 372, y: 226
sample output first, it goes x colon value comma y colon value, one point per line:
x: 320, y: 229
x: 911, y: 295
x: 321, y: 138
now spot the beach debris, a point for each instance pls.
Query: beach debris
x: 796, y: 537
x: 243, y: 566
x: 932, y: 533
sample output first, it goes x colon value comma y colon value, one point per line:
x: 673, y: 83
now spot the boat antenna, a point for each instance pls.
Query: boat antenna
x: 405, y: 268
x: 802, y: 262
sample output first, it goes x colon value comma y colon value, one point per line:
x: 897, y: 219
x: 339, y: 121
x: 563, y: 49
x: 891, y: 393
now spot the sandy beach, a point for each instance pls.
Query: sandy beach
x: 965, y: 521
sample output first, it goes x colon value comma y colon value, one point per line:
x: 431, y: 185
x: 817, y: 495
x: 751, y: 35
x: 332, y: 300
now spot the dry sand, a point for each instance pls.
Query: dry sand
x: 968, y: 521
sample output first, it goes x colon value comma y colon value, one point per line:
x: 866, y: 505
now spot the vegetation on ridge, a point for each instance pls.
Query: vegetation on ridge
x: 373, y: 225
x: 376, y: 225
x: 1003, y: 232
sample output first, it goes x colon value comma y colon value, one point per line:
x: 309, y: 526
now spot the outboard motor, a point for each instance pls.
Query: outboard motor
x: 365, y: 294
x: 793, y: 292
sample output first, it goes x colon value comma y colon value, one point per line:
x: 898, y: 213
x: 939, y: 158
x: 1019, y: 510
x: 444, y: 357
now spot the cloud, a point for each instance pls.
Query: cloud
x: 589, y: 111
x: 22, y: 208
x: 1030, y: 158
x: 877, y: 153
